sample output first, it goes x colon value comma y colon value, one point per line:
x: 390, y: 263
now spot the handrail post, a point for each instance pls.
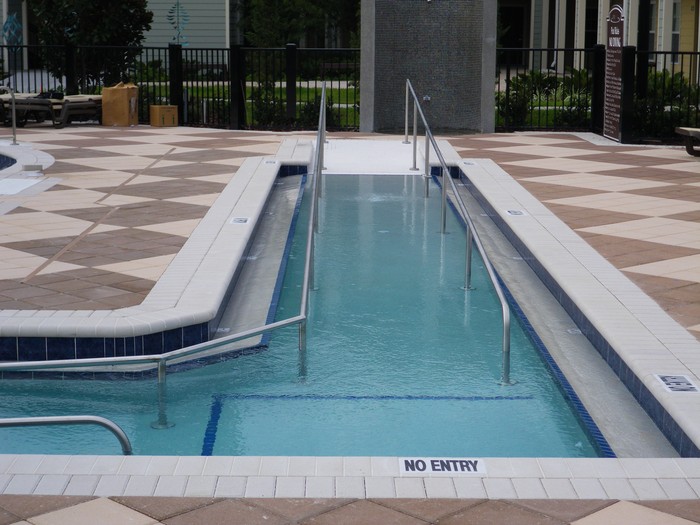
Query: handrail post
x: 405, y: 135
x: 414, y: 167
x: 427, y: 165
x: 468, y: 260
x: 14, y: 117
x: 443, y: 208
x: 162, y: 422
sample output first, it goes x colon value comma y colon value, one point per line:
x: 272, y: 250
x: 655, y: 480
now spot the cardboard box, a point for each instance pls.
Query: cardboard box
x: 120, y: 105
x: 163, y: 116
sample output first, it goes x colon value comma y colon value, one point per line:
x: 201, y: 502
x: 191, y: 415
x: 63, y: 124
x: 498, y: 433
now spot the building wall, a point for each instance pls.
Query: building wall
x: 207, y: 26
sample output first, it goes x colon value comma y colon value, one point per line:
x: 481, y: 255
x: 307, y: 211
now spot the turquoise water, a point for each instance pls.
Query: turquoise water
x: 401, y: 361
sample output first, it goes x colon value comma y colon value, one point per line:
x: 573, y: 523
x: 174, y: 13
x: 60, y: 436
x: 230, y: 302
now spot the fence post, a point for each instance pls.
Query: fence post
x: 237, y: 87
x: 598, y: 92
x: 629, y: 54
x: 71, y: 75
x: 176, y: 79
x: 291, y: 77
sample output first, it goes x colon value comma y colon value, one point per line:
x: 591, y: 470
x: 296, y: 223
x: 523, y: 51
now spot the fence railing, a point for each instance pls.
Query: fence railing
x: 563, y: 89
x: 233, y: 88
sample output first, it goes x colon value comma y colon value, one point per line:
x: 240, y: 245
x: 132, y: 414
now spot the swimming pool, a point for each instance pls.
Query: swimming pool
x: 399, y: 359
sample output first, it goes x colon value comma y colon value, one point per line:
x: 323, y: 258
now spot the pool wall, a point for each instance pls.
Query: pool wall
x: 184, y: 306
x: 554, y: 252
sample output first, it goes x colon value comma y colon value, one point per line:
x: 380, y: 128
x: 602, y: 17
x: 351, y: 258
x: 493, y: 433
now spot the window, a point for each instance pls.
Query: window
x: 676, y: 30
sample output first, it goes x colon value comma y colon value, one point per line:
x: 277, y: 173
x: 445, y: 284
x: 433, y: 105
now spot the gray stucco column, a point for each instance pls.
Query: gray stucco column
x: 447, y: 48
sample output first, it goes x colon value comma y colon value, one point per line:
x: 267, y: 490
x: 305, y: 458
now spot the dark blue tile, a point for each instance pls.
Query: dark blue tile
x: 119, y: 347
x: 129, y: 346
x: 138, y: 345
x: 88, y: 347
x: 60, y: 348
x: 153, y: 343
x: 8, y: 349
x: 110, y: 347
x: 192, y: 335
x: 31, y: 348
x: 172, y: 340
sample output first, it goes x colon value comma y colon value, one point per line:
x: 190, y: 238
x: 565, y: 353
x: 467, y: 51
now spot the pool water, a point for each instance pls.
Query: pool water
x: 400, y: 360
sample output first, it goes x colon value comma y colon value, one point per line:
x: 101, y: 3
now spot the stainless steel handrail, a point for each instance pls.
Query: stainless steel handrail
x: 72, y: 420
x: 472, y: 234
x: 161, y: 360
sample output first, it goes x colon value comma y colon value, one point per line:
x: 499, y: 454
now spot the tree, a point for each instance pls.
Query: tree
x: 78, y: 23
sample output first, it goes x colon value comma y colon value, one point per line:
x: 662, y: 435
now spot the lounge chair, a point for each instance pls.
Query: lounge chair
x: 690, y: 135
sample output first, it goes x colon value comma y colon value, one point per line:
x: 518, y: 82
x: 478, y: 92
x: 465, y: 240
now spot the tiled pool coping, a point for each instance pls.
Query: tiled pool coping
x: 347, y: 477
x: 633, y: 334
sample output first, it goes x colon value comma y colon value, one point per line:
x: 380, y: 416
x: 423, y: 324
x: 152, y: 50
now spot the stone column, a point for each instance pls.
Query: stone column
x: 447, y: 48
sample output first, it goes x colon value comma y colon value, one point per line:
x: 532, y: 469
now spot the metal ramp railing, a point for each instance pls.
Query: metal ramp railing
x: 472, y: 235
x: 71, y: 420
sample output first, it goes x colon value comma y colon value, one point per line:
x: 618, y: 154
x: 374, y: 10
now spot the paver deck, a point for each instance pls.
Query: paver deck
x: 109, y: 215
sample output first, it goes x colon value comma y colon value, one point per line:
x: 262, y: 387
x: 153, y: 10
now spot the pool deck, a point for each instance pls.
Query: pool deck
x: 98, y: 230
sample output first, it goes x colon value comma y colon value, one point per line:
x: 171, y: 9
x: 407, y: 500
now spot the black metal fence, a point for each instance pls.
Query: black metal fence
x: 226, y: 88
x: 563, y: 89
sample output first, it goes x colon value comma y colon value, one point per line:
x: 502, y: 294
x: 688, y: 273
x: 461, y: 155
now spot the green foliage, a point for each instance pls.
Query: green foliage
x: 671, y: 101
x: 275, y: 23
x: 91, y: 23
x: 544, y: 100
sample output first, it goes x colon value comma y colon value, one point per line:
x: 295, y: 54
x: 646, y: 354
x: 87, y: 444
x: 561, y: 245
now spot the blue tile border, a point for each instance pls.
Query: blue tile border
x: 680, y: 441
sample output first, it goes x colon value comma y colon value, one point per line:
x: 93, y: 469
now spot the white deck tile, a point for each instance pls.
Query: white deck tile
x: 648, y: 489
x: 588, y: 488
x: 440, y: 488
x: 246, y: 466
x: 230, y: 487
x: 190, y: 465
x: 383, y: 466
x: 554, y: 468
x: 107, y: 465
x: 290, y: 487
x: 357, y: 466
x: 302, y: 466
x: 329, y: 466
x: 500, y: 488
x: 111, y: 485
x: 22, y: 484
x: 665, y: 468
x: 53, y: 484
x: 380, y: 487
x: 6, y: 461
x: 52, y: 465
x: 162, y: 465
x: 529, y: 488
x: 524, y: 467
x: 350, y: 487
x: 678, y: 489
x: 141, y: 486
x: 200, y: 486
x: 218, y: 466
x: 274, y: 466
x: 410, y: 488
x: 689, y: 466
x: 618, y: 488
x: 134, y: 465
x: 260, y: 487
x: 25, y: 464
x: 470, y: 488
x: 320, y: 487
x: 559, y: 488
x: 81, y: 485
x: 171, y: 486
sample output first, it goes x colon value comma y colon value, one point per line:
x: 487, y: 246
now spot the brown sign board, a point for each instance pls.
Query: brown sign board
x: 613, y: 73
